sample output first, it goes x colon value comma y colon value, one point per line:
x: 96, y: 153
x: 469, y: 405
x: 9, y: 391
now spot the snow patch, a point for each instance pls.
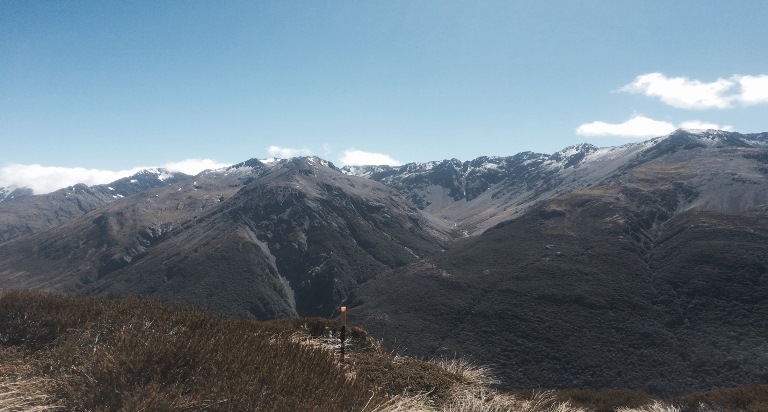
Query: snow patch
x: 4, y: 192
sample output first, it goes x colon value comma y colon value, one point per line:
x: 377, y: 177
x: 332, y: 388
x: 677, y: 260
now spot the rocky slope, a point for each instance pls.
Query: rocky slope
x: 654, y: 277
x: 257, y: 240
x: 475, y: 195
x: 22, y: 213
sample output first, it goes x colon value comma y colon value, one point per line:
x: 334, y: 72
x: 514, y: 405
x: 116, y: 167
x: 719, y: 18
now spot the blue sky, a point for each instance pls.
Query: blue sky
x: 110, y: 86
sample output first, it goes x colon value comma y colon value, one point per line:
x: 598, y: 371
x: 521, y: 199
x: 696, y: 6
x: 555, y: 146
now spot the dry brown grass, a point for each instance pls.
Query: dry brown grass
x: 752, y: 398
x: 469, y: 372
x: 655, y: 406
x: 132, y: 355
x: 26, y: 395
x: 63, y: 353
x: 477, y: 400
x: 607, y: 400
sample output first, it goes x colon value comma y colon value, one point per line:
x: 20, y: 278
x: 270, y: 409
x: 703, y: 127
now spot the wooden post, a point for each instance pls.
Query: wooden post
x: 343, y: 330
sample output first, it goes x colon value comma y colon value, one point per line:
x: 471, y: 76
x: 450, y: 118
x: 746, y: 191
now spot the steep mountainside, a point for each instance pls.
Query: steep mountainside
x: 656, y: 278
x: 475, y: 195
x: 22, y: 213
x: 259, y: 240
x: 14, y: 193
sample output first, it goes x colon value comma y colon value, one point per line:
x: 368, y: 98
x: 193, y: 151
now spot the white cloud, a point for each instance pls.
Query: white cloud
x: 287, y: 152
x: 194, y: 166
x: 326, y: 150
x: 698, y: 124
x: 638, y: 126
x: 641, y: 127
x: 46, y: 179
x: 685, y: 93
x: 354, y: 157
x: 754, y: 89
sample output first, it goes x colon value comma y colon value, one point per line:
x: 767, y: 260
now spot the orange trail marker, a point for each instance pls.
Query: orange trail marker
x: 343, y: 330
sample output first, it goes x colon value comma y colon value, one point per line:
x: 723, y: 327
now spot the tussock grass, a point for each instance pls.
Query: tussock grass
x: 477, y: 401
x: 753, y: 398
x: 470, y: 372
x: 403, y: 403
x: 467, y: 387
x: 607, y: 400
x: 655, y: 406
x: 85, y: 354
x: 21, y: 388
x: 132, y: 355
x: 25, y: 395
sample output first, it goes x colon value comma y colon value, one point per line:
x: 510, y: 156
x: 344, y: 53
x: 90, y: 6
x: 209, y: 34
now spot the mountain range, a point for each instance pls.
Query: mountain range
x: 642, y: 265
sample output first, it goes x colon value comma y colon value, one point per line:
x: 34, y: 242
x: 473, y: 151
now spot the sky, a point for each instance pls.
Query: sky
x: 93, y: 90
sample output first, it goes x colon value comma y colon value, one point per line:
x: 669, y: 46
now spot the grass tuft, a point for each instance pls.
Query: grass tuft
x: 470, y: 372
x: 655, y: 406
x: 752, y: 398
x: 27, y: 395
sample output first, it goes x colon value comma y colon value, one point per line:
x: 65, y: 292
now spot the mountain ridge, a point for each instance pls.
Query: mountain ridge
x: 262, y: 240
x: 553, y: 267
x: 30, y: 213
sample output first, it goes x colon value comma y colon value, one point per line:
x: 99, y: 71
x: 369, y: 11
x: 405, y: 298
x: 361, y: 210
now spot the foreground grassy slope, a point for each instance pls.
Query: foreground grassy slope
x: 62, y: 353
x: 137, y: 355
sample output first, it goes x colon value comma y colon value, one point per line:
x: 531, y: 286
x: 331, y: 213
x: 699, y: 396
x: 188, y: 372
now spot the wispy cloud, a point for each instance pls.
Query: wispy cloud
x: 354, y: 157
x: 194, y: 166
x: 685, y: 93
x: 326, y: 150
x: 287, y: 152
x: 45, y: 179
x: 698, y: 124
x: 642, y: 127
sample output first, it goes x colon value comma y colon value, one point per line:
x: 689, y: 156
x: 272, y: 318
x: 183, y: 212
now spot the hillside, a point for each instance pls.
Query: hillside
x: 22, y: 213
x: 59, y: 353
x: 478, y: 194
x: 653, y: 279
x: 640, y: 266
x: 255, y: 240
